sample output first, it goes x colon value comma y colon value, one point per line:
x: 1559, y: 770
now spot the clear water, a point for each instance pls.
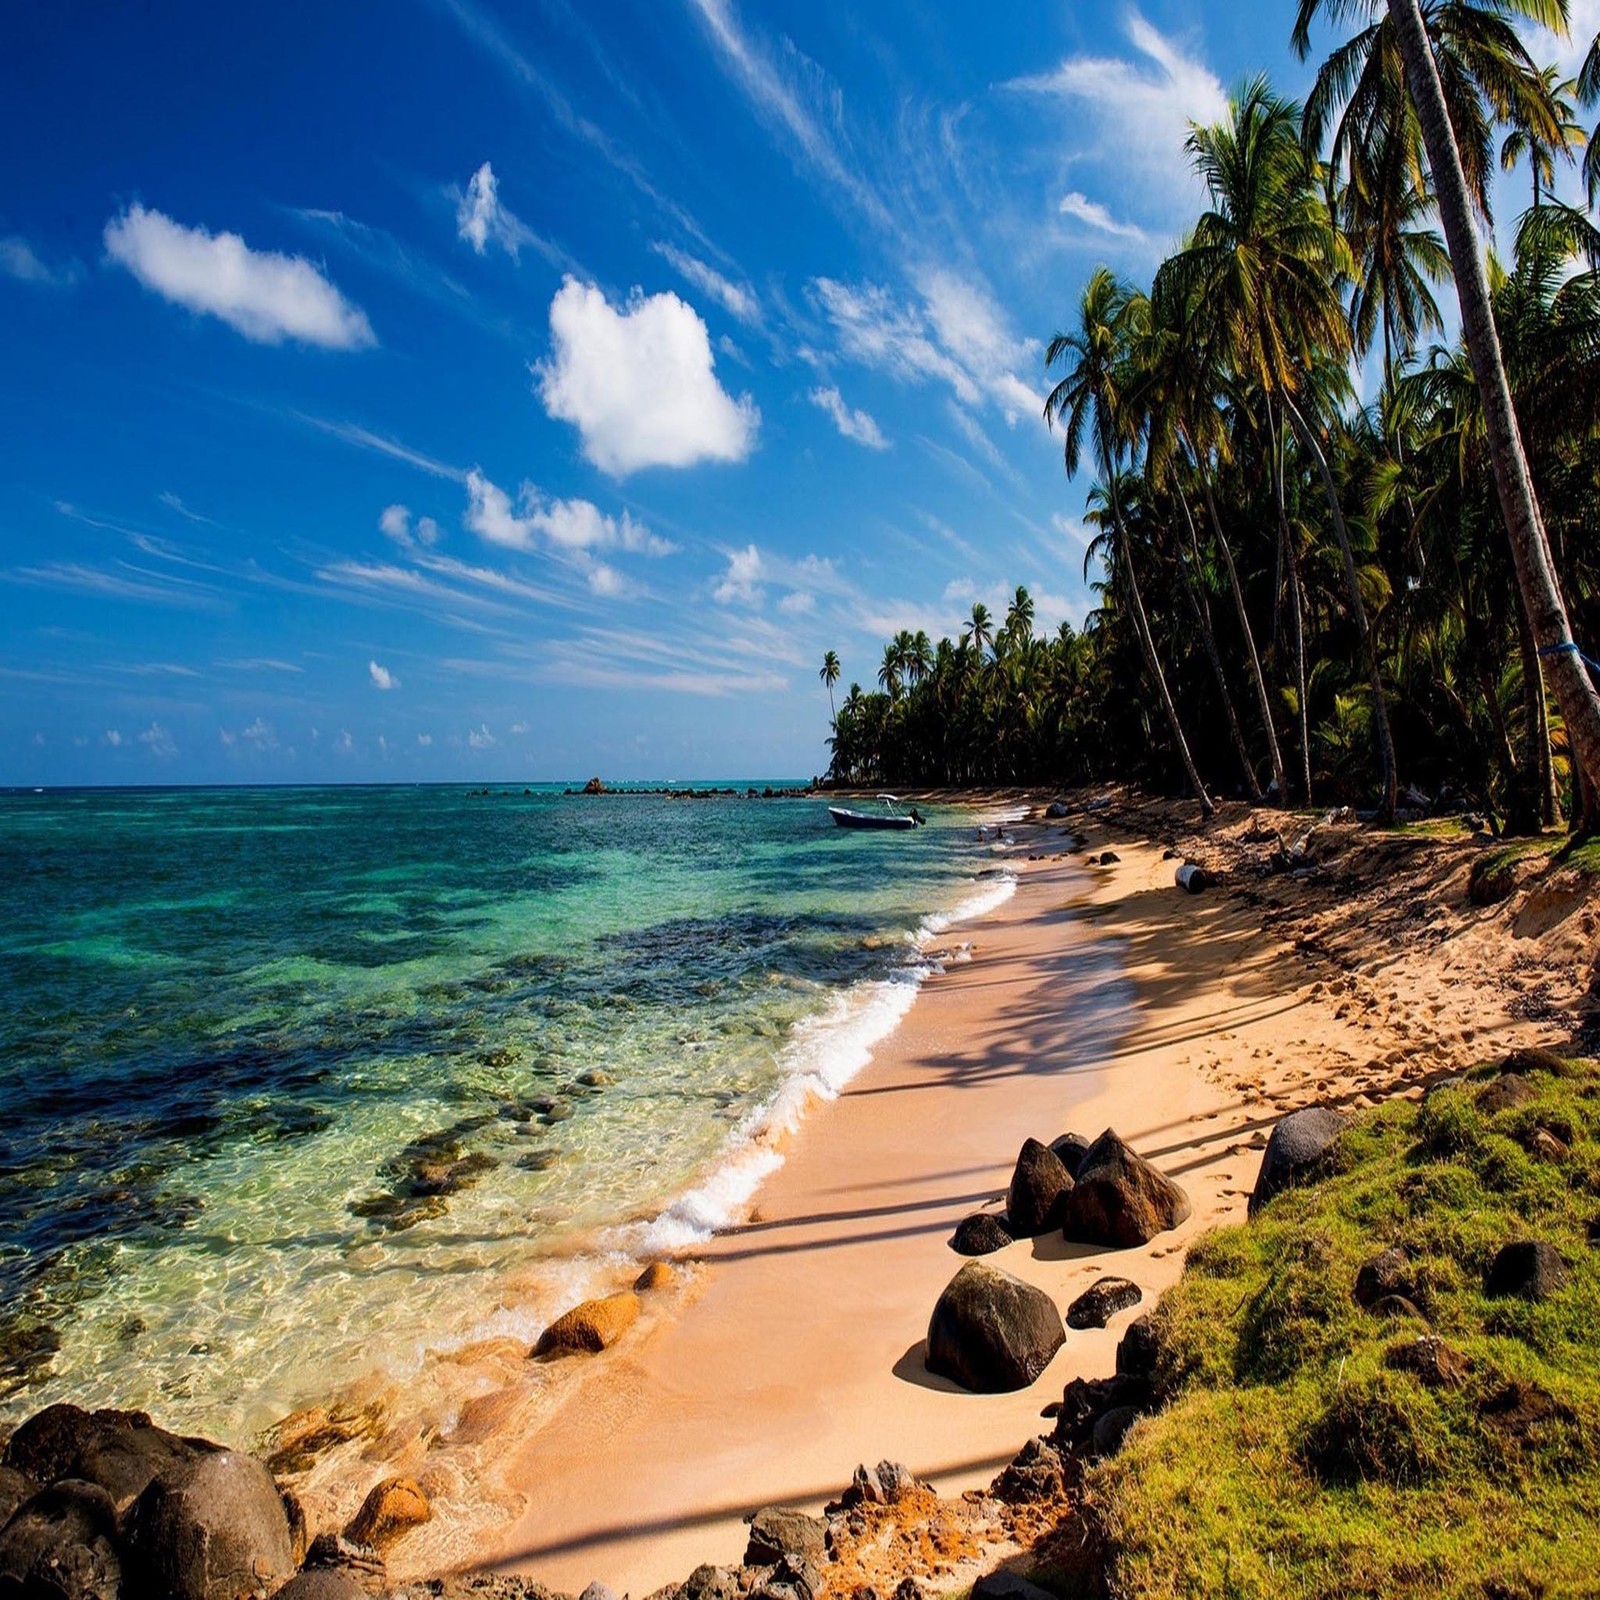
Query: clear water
x: 297, y: 1084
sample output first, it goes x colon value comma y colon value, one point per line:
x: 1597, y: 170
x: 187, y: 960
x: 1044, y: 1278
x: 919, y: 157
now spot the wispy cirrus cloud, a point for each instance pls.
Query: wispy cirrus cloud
x: 19, y: 260
x: 1083, y: 209
x: 483, y: 218
x: 264, y: 295
x: 736, y: 298
x: 856, y: 425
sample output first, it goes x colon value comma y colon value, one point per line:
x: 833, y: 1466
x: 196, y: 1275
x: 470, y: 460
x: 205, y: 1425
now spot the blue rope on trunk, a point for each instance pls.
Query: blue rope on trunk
x: 1562, y: 649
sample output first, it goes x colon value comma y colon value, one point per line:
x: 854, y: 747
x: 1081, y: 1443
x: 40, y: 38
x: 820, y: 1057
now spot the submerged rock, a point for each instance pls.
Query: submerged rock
x: 1039, y: 1187
x: 591, y: 1327
x: 1120, y: 1199
x: 658, y: 1275
x: 991, y: 1332
x: 1296, y: 1151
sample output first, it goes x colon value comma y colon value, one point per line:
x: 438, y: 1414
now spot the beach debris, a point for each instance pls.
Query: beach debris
x: 1036, y: 1198
x: 392, y: 1508
x: 1193, y: 878
x: 1382, y: 1277
x: 981, y: 1234
x: 990, y: 1332
x: 1526, y: 1269
x: 1297, y: 1150
x: 1120, y: 1199
x: 590, y: 1327
x: 658, y: 1275
x: 61, y: 1541
x: 778, y: 1533
x: 213, y: 1529
x: 1101, y: 1301
x: 1070, y: 1149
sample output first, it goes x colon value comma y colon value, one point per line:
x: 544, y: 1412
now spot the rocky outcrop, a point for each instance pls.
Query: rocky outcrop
x: 777, y: 1534
x: 392, y: 1508
x: 981, y: 1234
x: 1119, y: 1199
x: 121, y: 1451
x: 1101, y: 1301
x: 62, y: 1543
x: 213, y: 1529
x: 1526, y: 1269
x: 991, y: 1332
x: 1300, y: 1144
x: 1038, y: 1192
x: 589, y: 1328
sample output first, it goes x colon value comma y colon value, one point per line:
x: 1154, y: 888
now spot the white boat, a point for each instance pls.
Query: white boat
x: 891, y: 819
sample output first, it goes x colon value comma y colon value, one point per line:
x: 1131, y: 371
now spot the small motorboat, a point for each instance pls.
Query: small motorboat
x: 891, y: 819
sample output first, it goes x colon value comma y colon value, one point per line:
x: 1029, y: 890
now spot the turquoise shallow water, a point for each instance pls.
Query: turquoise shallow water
x: 294, y: 1081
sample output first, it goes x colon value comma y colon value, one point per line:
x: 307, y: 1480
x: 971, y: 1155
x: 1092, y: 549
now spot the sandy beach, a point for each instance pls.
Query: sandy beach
x: 1098, y: 996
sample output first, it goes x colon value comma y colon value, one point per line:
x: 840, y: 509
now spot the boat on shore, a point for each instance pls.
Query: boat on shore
x: 889, y: 820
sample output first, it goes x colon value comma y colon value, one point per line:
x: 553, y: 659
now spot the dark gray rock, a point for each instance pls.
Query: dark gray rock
x: 119, y: 1450
x: 1296, y: 1151
x: 777, y: 1532
x: 1109, y: 858
x: 1035, y: 1473
x: 1111, y: 1428
x: 711, y: 1583
x: 1101, y: 1301
x: 597, y: 1591
x: 1039, y: 1187
x: 882, y: 1485
x: 1070, y: 1149
x: 1119, y: 1199
x: 1003, y: 1585
x: 1138, y: 1348
x: 61, y: 1544
x: 1430, y: 1360
x: 323, y: 1583
x: 1085, y: 1400
x: 991, y: 1332
x: 981, y: 1234
x: 1056, y: 808
x: 15, y: 1487
x: 1387, y: 1273
x: 791, y: 1579
x: 214, y: 1529
x: 1528, y: 1269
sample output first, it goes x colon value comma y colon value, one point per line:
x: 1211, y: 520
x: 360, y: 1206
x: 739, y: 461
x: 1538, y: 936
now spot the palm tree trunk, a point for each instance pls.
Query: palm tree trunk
x: 1202, y: 616
x: 1288, y: 556
x: 1141, y: 625
x: 1368, y: 645
x: 1530, y: 548
x: 1537, y: 772
x: 1256, y: 674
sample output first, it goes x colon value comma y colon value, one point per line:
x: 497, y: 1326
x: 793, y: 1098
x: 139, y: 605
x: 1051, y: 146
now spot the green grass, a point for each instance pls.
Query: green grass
x: 1295, y: 1458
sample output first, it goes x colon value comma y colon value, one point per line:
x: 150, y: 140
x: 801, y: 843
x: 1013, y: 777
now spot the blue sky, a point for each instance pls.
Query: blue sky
x: 452, y: 389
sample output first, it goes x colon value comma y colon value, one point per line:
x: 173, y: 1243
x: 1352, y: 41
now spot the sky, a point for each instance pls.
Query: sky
x: 467, y: 390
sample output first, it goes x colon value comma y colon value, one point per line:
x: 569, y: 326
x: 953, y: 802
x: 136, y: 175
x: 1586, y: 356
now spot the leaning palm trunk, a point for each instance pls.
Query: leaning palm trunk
x: 1537, y: 770
x: 1202, y: 616
x: 1141, y: 625
x: 1288, y: 556
x: 1358, y: 610
x: 1257, y: 676
x: 1530, y: 548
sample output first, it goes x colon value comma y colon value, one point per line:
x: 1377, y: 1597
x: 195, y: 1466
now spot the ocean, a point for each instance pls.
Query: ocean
x: 297, y: 1085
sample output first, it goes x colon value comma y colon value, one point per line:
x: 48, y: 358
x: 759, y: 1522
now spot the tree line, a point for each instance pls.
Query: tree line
x: 1303, y: 597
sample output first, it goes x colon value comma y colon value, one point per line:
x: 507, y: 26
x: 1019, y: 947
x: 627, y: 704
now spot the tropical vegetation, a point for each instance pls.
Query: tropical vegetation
x: 1336, y: 558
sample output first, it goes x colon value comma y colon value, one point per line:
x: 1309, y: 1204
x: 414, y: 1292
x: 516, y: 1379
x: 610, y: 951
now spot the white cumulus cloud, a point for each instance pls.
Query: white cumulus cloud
x: 266, y: 296
x: 395, y: 523
x: 568, y: 526
x: 480, y: 738
x: 742, y: 579
x: 382, y: 677
x: 158, y: 741
x: 856, y: 425
x: 640, y: 384
x: 112, y: 737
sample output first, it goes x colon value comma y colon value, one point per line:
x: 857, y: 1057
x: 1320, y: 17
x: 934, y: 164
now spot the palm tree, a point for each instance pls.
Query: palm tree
x: 1268, y: 262
x: 1019, y: 616
x: 980, y: 630
x: 1091, y: 395
x: 1530, y: 549
x: 1533, y: 137
x: 1588, y: 93
x: 889, y: 671
x: 830, y: 676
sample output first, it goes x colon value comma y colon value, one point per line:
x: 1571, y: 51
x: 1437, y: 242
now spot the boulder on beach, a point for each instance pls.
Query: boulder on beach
x: 1296, y: 1151
x: 213, y: 1529
x: 991, y: 1332
x: 392, y: 1508
x: 1101, y: 1301
x: 1120, y: 1200
x: 981, y: 1234
x: 1070, y: 1149
x: 121, y: 1451
x: 777, y: 1533
x: 591, y: 1327
x: 1039, y: 1187
x: 61, y: 1543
